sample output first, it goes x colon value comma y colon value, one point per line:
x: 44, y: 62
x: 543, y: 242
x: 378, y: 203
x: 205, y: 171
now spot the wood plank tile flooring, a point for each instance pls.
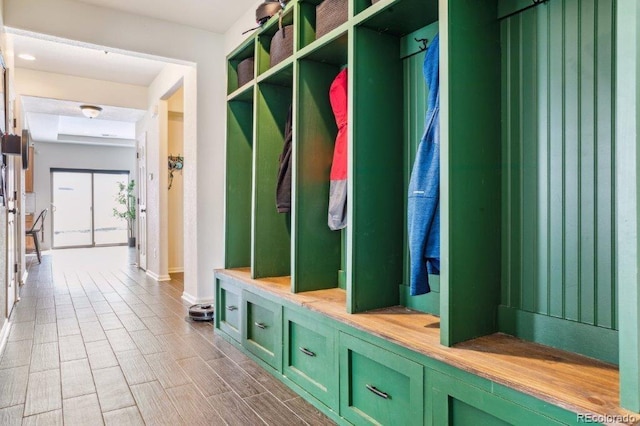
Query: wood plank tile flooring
x: 95, y: 341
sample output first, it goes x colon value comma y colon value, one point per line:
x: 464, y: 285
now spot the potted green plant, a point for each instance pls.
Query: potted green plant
x: 126, y: 207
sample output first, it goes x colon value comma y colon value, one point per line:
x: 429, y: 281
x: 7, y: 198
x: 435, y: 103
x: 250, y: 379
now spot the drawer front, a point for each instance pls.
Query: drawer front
x: 229, y: 309
x: 263, y: 331
x: 378, y: 386
x: 310, y: 358
x: 457, y: 403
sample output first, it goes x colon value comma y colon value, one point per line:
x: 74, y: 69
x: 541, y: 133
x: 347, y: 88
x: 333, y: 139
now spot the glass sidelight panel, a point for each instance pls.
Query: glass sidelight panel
x: 107, y: 228
x: 72, y: 217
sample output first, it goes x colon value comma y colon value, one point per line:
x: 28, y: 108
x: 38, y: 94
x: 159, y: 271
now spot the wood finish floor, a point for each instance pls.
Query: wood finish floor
x: 94, y: 341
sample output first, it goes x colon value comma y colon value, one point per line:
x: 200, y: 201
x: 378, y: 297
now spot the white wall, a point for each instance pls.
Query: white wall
x: 233, y: 37
x: 156, y: 125
x: 66, y: 87
x: 115, y: 29
x: 176, y: 196
x: 73, y: 156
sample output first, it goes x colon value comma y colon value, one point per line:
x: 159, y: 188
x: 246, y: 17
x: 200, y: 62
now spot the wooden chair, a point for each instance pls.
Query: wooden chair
x: 35, y: 230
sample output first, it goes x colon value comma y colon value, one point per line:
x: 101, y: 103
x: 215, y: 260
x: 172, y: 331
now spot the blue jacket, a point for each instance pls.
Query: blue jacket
x: 424, y: 186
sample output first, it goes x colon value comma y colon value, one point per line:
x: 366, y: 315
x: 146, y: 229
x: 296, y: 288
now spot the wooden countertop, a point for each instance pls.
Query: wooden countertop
x: 573, y: 382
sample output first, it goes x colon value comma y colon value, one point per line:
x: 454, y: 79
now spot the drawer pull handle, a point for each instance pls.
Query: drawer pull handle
x: 378, y: 392
x: 232, y: 308
x: 260, y: 325
x: 307, y: 351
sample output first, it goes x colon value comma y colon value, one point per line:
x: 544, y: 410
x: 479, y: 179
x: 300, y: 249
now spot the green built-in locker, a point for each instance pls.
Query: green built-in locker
x: 558, y: 254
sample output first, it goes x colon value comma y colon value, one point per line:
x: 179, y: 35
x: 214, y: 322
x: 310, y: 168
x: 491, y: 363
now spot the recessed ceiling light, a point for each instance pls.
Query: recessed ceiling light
x: 27, y: 57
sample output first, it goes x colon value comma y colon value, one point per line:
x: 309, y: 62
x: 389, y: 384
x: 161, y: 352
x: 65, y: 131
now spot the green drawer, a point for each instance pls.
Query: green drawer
x: 229, y: 309
x: 310, y: 358
x: 263, y: 330
x: 461, y: 404
x: 378, y: 386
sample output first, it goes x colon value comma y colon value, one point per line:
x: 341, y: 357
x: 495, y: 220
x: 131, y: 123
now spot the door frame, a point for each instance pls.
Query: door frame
x: 141, y: 208
x: 53, y: 170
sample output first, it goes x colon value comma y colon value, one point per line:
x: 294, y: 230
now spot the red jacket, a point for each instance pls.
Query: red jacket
x: 338, y: 189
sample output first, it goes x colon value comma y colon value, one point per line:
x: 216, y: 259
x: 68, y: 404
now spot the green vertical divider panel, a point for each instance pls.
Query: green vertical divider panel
x: 238, y: 184
x: 375, y: 209
x: 471, y: 169
x: 558, y: 181
x: 271, y: 230
x: 316, y: 256
x: 627, y: 207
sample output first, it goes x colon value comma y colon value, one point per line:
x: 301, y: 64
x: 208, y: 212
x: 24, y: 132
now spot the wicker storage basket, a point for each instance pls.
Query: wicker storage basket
x: 330, y: 14
x: 281, y: 45
x: 245, y: 71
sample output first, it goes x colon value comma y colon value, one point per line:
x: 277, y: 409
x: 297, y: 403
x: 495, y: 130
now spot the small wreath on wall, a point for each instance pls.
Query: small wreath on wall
x: 176, y: 163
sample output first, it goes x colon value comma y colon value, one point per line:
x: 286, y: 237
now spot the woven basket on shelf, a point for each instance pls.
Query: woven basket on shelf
x: 281, y: 45
x: 330, y: 14
x: 245, y: 71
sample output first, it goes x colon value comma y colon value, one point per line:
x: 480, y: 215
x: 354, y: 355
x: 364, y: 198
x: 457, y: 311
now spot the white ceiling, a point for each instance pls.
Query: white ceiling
x: 210, y: 15
x: 80, y: 61
x: 52, y: 120
x: 56, y: 120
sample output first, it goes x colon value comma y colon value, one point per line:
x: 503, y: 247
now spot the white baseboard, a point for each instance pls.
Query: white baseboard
x: 176, y: 270
x: 194, y: 301
x: 24, y: 277
x: 4, y: 335
x: 157, y: 277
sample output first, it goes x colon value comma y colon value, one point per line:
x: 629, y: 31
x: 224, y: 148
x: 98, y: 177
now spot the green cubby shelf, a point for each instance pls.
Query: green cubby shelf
x: 238, y: 183
x: 271, y: 243
x: 399, y: 17
x: 331, y: 49
x: 317, y: 250
x: 265, y: 36
x: 307, y: 35
x: 307, y: 22
x: 360, y: 6
x: 243, y: 94
x: 280, y: 75
x: 244, y: 51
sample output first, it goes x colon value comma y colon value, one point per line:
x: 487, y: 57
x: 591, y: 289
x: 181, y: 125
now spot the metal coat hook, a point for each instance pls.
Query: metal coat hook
x: 423, y: 44
x: 423, y: 41
x: 533, y: 4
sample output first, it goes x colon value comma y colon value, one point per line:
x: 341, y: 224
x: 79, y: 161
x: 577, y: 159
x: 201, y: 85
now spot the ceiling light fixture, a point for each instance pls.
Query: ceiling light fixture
x: 27, y: 57
x: 90, y: 111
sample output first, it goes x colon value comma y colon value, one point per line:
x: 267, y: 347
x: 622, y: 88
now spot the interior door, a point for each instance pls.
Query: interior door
x: 142, y: 202
x: 73, y: 215
x: 12, y: 212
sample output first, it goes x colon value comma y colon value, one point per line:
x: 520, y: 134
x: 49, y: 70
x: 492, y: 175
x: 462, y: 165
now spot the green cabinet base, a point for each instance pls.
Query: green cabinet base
x: 357, y: 377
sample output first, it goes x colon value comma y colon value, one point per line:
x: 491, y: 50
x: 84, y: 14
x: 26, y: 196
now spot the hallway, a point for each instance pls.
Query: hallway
x: 95, y: 341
